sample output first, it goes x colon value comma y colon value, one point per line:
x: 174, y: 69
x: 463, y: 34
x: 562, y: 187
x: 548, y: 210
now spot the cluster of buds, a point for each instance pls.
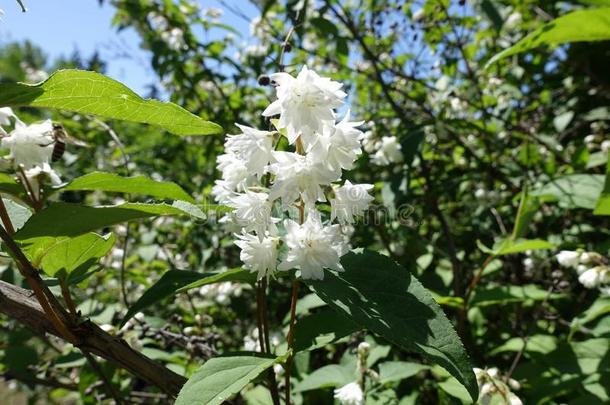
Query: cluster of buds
x: 592, y: 268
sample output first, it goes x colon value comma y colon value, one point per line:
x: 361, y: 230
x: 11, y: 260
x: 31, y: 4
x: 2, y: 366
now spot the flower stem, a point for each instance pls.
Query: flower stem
x: 263, y: 335
x: 293, y: 307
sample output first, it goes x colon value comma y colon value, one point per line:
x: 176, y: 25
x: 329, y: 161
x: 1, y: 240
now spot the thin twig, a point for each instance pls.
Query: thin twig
x: 107, y: 383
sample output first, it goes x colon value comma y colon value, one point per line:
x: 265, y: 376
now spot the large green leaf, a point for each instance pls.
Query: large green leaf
x: 99, y: 181
x: 573, y: 191
x: 63, y: 220
x: 577, y: 26
x: 72, y: 254
x: 380, y: 295
x: 174, y: 280
x: 221, y: 377
x: 319, y: 329
x: 93, y: 93
x: 602, y: 206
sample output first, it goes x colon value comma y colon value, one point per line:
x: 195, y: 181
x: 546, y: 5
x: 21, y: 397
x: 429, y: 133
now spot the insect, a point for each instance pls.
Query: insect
x: 60, y: 139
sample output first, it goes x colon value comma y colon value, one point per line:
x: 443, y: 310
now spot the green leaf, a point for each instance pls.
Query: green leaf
x: 235, y: 275
x: 221, y: 377
x: 543, y: 344
x: 93, y: 93
x: 512, y: 293
x: 391, y: 371
x: 63, y: 220
x: 492, y: 14
x: 319, y: 329
x: 600, y: 307
x: 74, y: 253
x: 522, y: 245
x: 17, y: 213
x: 528, y: 206
x: 173, y: 281
x: 133, y: 185
x: 9, y: 185
x: 563, y: 120
x: 573, y: 191
x: 380, y: 295
x: 602, y: 206
x: 333, y: 375
x: 577, y: 26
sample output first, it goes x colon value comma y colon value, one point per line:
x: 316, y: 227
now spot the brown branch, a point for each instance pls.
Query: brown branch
x: 17, y: 303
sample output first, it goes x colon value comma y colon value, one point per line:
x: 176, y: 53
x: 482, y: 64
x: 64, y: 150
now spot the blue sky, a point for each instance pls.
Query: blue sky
x: 61, y: 26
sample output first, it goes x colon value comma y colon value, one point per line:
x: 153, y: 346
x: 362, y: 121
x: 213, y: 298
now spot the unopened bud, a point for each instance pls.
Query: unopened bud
x: 264, y: 80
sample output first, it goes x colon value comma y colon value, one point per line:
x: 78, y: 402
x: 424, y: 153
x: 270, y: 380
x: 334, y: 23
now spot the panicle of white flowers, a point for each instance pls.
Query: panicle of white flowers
x: 493, y: 385
x: 592, y: 268
x: 30, y: 149
x: 263, y: 185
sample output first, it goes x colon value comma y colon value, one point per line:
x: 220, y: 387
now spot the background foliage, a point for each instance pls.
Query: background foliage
x: 502, y: 167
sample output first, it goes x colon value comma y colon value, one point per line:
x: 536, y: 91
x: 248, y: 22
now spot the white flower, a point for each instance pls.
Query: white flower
x: 350, y: 200
x: 389, y: 151
x: 298, y: 176
x: 222, y: 191
x: 252, y: 211
x: 174, y: 39
x: 419, y: 14
x: 259, y: 255
x: 253, y: 147
x: 31, y: 148
x: 513, y: 20
x: 251, y: 341
x: 513, y: 399
x: 339, y: 146
x: 350, y: 394
x: 234, y: 171
x: 590, y: 278
x: 213, y: 12
x: 30, y: 145
x: 568, y: 258
x: 312, y: 247
x: 6, y: 113
x: 304, y: 103
x: 605, y: 145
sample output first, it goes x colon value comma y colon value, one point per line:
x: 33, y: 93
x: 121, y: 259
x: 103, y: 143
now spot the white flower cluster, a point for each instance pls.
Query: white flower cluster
x: 491, y: 385
x: 592, y: 268
x: 172, y: 36
x: 31, y: 149
x: 261, y: 183
x: 385, y: 150
x: 350, y: 394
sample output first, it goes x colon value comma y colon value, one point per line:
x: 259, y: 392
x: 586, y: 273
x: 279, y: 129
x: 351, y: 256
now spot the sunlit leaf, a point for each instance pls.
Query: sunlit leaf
x: 386, y: 299
x: 99, y: 181
x: 576, y: 26
x: 93, y: 93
